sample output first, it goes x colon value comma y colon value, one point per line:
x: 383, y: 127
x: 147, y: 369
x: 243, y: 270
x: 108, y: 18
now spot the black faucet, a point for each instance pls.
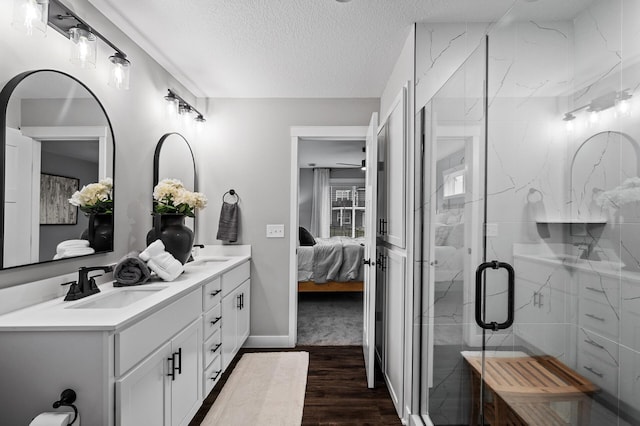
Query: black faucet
x: 85, y: 286
x: 190, y: 259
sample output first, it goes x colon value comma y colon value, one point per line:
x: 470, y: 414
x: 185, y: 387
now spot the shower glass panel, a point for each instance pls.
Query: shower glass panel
x: 454, y: 130
x: 559, y: 201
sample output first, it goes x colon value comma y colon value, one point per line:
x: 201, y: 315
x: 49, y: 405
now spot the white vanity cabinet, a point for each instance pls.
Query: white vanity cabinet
x: 150, y: 362
x: 165, y: 388
x: 236, y: 299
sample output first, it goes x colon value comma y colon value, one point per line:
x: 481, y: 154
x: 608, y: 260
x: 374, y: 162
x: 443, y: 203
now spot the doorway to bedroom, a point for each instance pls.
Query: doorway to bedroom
x: 331, y: 213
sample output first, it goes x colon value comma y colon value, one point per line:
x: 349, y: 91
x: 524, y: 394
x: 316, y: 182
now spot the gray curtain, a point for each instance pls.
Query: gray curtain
x: 321, y: 204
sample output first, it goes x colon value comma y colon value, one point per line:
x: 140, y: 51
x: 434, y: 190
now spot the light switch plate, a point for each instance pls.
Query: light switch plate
x: 275, y: 231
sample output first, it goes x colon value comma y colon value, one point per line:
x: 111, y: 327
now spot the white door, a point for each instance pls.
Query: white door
x: 142, y: 396
x: 368, y: 329
x: 185, y: 389
x: 22, y: 190
x: 244, y: 320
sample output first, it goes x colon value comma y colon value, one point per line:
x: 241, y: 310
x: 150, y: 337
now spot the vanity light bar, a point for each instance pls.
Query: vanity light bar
x: 184, y: 107
x: 601, y: 103
x: 83, y: 36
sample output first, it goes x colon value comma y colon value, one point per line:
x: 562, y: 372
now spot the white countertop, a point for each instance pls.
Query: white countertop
x: 604, y: 268
x: 57, y: 314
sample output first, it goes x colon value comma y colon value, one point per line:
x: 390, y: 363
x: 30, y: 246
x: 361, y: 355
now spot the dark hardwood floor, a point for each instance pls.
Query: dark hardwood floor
x: 337, y: 392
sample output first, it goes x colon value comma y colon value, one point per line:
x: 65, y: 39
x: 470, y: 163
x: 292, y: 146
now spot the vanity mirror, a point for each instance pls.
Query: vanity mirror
x: 55, y: 138
x: 602, y: 163
x: 173, y: 159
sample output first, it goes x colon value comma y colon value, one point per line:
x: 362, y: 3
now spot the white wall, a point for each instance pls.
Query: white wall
x: 137, y: 116
x: 248, y: 148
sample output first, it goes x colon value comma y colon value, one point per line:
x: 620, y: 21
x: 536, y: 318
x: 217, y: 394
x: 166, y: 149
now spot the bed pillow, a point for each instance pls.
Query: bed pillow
x: 305, y: 237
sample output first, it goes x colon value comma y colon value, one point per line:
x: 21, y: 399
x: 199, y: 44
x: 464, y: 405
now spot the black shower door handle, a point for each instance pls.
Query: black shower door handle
x: 494, y: 264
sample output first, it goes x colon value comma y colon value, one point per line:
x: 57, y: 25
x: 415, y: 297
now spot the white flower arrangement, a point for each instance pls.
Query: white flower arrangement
x: 95, y: 197
x: 628, y: 192
x: 171, y: 196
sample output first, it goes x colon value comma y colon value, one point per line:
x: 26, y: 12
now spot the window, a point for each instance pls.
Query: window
x: 347, y: 209
x: 453, y: 182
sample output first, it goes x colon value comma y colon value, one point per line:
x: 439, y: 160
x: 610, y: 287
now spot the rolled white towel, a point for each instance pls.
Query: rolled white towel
x: 64, y: 245
x: 166, y: 266
x: 153, y: 249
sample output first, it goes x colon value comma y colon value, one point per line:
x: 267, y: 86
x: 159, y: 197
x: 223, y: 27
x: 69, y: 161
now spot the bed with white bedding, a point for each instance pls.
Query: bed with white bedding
x: 449, y: 250
x: 332, y: 264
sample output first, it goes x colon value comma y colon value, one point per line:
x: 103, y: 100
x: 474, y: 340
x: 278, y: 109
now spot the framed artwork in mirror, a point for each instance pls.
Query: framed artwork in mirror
x: 55, y: 192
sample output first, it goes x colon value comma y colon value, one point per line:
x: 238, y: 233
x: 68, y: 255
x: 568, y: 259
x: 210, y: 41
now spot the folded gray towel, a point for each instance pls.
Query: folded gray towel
x: 131, y: 270
x: 228, y: 225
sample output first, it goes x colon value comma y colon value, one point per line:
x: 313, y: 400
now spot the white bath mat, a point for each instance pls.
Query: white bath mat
x: 264, y: 389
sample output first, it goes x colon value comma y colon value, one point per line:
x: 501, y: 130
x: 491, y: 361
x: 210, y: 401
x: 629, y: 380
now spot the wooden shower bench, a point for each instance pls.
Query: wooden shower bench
x: 522, y: 389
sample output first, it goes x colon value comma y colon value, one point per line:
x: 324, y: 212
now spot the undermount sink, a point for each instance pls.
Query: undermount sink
x: 117, y: 299
x: 208, y: 260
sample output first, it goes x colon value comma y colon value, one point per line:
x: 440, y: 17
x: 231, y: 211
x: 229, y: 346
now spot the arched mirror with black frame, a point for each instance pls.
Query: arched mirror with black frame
x: 174, y: 159
x: 56, y: 138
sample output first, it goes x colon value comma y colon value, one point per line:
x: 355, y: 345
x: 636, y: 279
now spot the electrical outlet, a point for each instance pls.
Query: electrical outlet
x: 275, y: 231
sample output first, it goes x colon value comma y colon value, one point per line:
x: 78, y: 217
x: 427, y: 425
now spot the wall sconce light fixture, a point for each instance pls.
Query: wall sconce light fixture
x: 620, y: 100
x: 37, y: 14
x: 177, y: 105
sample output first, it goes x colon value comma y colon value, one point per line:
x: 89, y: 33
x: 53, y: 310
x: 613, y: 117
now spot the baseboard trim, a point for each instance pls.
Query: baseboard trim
x: 267, y: 342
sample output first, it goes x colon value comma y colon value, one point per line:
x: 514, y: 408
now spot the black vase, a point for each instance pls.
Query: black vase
x: 100, y: 232
x: 174, y: 234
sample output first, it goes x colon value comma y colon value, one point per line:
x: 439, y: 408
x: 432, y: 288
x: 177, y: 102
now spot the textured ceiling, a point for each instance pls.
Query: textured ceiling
x: 283, y: 48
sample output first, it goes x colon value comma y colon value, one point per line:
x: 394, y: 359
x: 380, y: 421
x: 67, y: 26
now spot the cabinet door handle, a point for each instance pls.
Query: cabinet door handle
x: 592, y: 343
x: 594, y: 317
x: 242, y: 301
x: 593, y: 371
x: 597, y: 290
x: 384, y: 263
x: 535, y: 299
x: 215, y: 293
x: 215, y: 349
x: 238, y: 302
x: 172, y: 367
x: 539, y: 300
x: 216, y: 376
x: 179, y: 354
x: 215, y: 321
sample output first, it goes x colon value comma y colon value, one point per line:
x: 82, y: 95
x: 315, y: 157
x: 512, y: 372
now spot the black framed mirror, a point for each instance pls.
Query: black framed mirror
x: 174, y: 159
x: 55, y: 139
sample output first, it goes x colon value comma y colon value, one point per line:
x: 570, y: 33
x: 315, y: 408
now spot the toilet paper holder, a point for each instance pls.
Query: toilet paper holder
x: 67, y: 398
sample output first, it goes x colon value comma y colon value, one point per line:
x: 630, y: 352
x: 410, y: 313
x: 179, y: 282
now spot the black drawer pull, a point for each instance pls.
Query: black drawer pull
x: 215, y: 293
x: 597, y: 290
x: 215, y: 349
x: 216, y: 376
x: 594, y: 317
x: 593, y: 371
x: 592, y: 343
x: 214, y: 322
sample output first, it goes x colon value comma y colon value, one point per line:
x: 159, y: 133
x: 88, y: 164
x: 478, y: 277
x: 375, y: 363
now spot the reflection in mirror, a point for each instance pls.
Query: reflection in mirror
x: 173, y: 159
x: 56, y: 138
x: 602, y: 163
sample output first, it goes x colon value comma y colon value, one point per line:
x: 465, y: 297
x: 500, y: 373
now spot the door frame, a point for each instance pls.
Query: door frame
x: 298, y: 133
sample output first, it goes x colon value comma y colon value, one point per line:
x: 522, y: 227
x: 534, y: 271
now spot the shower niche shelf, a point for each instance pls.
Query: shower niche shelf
x: 572, y: 221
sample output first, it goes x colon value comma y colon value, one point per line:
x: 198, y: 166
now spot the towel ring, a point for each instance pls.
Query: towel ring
x: 533, y: 191
x: 233, y: 193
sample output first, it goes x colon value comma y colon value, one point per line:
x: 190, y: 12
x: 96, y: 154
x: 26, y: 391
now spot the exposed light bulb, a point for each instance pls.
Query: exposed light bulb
x: 593, y: 117
x: 119, y: 78
x: 83, y: 47
x: 624, y: 107
x: 569, y: 126
x: 30, y: 15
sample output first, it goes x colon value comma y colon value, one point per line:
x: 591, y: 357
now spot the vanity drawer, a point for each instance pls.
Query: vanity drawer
x: 212, y: 322
x: 600, y: 289
x: 212, y: 348
x: 212, y: 375
x: 211, y: 294
x: 599, y: 317
x: 599, y: 347
x: 139, y: 340
x: 599, y: 371
x: 235, y: 277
